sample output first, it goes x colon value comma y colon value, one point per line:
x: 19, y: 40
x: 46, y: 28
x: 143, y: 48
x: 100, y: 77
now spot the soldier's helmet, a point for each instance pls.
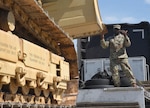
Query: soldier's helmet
x: 117, y: 27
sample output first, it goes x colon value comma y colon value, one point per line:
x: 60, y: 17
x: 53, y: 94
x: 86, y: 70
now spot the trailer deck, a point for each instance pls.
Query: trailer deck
x: 117, y: 97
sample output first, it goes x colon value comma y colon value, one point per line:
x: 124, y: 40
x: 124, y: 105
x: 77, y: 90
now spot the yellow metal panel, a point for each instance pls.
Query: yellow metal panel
x: 31, y: 73
x: 35, y: 56
x: 65, y: 74
x: 49, y: 79
x: 7, y: 68
x: 9, y: 46
x: 79, y: 18
x: 55, y: 58
x: 53, y: 69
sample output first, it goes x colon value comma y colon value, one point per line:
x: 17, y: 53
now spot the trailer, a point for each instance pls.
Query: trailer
x: 97, y: 94
x: 116, y: 97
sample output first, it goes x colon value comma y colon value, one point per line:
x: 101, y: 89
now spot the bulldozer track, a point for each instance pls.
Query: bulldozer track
x: 19, y: 101
x: 33, y: 22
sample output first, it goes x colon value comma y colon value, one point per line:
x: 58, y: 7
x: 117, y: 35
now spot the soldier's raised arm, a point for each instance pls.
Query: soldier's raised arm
x: 127, y: 41
x: 104, y: 44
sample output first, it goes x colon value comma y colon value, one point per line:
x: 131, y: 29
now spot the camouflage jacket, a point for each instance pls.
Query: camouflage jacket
x: 117, y: 46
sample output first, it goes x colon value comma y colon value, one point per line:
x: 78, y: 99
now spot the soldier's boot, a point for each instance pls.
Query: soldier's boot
x: 134, y: 85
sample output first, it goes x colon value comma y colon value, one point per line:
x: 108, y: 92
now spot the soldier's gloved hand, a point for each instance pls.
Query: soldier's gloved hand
x: 124, y: 32
x: 101, y: 36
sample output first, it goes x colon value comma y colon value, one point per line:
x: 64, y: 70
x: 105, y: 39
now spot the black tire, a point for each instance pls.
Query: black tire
x: 98, y: 86
x: 124, y: 82
x: 97, y: 82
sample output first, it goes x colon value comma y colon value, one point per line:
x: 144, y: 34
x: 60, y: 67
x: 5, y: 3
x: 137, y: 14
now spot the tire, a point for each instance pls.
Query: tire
x: 97, y: 82
x: 98, y: 86
x: 124, y: 82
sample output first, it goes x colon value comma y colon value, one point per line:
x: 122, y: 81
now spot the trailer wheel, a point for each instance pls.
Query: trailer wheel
x: 97, y: 82
x: 98, y: 86
x: 124, y: 82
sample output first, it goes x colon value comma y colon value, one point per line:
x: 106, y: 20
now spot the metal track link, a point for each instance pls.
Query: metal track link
x: 26, y: 105
x: 20, y: 101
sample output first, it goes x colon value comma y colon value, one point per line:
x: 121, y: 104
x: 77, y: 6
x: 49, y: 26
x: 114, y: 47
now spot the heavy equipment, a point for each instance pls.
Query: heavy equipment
x: 38, y: 61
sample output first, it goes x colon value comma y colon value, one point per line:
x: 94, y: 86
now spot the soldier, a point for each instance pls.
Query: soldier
x: 118, y: 54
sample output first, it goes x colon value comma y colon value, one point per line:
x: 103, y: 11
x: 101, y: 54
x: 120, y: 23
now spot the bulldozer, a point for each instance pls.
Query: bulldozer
x: 38, y: 60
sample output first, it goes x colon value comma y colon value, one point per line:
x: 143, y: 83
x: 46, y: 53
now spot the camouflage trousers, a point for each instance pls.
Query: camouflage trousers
x: 114, y: 63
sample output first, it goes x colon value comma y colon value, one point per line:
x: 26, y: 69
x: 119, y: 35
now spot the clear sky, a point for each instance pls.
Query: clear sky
x: 124, y: 11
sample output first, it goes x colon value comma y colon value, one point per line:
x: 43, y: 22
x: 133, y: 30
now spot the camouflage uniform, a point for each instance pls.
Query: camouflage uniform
x: 118, y: 56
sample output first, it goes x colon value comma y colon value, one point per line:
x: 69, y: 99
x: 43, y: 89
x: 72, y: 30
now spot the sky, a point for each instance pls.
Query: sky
x: 124, y: 11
